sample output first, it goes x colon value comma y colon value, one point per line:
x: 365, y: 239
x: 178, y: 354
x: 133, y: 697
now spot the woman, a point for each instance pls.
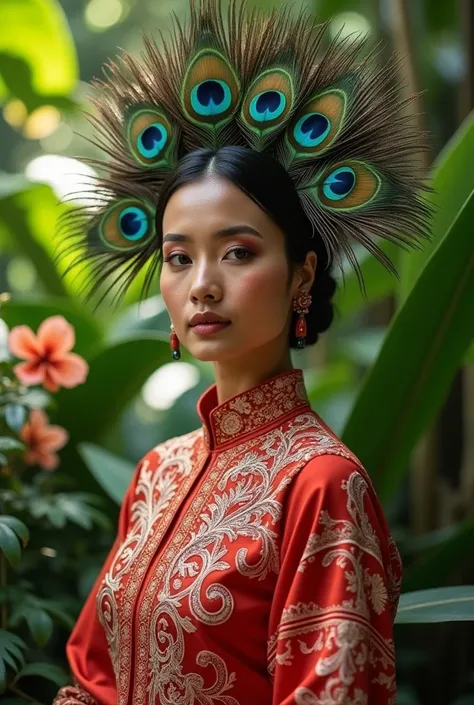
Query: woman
x: 253, y: 563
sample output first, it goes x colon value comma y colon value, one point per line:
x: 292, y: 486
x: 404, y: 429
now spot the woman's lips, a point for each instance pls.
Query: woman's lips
x: 209, y: 328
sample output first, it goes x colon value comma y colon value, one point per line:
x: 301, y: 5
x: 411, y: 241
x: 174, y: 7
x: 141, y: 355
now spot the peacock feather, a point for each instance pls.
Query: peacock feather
x: 333, y: 119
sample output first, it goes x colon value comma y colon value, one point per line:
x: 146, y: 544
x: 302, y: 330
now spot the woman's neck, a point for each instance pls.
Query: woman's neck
x: 236, y: 376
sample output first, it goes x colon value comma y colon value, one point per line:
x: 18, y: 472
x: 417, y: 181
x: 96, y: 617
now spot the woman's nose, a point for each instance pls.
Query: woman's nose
x: 205, y: 286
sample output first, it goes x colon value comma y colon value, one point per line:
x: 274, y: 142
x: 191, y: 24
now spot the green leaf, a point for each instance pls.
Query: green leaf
x: 32, y: 312
x: 453, y: 183
x: 40, y: 625
x: 18, y: 527
x: 15, y: 416
x: 74, y: 511
x: 100, y: 519
x: 114, y: 474
x: 56, y: 516
x: 56, y: 611
x: 39, y: 622
x: 116, y: 375
x: 438, y: 562
x: 27, y: 220
x: 469, y: 359
x: 45, y: 670
x: 425, y: 344
x: 441, y: 17
x: 446, y: 604
x: 10, y: 649
x: 35, y: 33
x: 10, y: 545
x: 7, y: 443
x: 378, y: 281
x: 329, y: 9
x: 36, y: 399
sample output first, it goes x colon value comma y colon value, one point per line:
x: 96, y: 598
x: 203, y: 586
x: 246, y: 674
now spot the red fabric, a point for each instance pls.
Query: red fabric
x: 253, y: 566
x: 86, y: 650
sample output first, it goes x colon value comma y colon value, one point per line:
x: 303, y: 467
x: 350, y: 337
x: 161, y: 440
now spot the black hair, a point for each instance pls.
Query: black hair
x: 267, y: 183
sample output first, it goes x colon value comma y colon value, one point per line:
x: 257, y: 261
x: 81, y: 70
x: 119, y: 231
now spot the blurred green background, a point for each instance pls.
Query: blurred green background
x: 394, y: 376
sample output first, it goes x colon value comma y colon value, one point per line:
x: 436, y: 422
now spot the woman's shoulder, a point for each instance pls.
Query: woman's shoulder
x: 333, y: 475
x: 329, y: 460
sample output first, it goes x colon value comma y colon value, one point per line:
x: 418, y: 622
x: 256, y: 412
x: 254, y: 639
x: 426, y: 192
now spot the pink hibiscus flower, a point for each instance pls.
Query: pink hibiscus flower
x: 42, y: 440
x: 48, y: 360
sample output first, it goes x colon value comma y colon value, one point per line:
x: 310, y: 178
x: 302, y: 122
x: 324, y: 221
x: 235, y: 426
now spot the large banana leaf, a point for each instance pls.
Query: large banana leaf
x: 446, y: 604
x: 38, y: 61
x: 425, y: 344
x: 452, y: 182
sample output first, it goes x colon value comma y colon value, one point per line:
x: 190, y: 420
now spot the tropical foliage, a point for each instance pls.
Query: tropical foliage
x: 394, y: 375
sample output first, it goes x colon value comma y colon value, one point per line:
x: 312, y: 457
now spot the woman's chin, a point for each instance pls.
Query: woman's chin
x: 212, y: 351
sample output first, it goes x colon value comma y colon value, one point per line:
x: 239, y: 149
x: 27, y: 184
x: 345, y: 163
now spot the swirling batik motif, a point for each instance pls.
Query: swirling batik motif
x: 344, y: 630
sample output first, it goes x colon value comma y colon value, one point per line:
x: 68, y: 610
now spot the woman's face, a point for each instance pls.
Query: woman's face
x: 222, y: 253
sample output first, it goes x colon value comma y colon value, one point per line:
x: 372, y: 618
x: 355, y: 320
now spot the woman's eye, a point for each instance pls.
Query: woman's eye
x: 247, y: 255
x: 171, y: 258
x: 241, y: 249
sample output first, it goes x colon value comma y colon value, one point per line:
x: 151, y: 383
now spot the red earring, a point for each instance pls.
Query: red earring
x: 174, y: 344
x: 301, y: 305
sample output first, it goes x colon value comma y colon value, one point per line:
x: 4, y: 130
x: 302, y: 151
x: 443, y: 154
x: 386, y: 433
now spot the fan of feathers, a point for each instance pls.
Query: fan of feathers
x: 238, y: 76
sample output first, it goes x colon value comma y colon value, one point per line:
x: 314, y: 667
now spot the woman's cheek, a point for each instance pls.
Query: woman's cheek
x: 258, y: 286
x: 171, y: 298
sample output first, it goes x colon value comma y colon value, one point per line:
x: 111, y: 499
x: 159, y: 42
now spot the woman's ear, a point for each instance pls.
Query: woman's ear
x: 306, y: 273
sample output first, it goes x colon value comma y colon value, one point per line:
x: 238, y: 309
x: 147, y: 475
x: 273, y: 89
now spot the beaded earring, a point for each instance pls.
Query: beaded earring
x: 301, y: 305
x: 174, y: 343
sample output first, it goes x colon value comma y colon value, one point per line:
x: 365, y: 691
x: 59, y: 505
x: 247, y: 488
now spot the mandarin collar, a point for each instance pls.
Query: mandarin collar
x: 252, y: 411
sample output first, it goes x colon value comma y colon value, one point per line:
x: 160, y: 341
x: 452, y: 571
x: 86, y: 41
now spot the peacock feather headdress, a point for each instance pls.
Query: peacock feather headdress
x: 241, y: 77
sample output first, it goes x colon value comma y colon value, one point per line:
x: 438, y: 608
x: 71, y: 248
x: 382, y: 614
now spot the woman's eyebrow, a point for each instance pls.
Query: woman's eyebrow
x: 225, y: 232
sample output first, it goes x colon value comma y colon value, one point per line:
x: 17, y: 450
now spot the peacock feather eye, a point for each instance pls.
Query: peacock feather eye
x: 267, y: 104
x: 348, y: 186
x: 339, y: 183
x: 210, y: 92
x: 151, y: 138
x: 126, y: 225
x: 315, y: 128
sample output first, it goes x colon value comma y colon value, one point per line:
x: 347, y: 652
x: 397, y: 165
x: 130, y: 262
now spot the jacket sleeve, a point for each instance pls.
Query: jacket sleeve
x: 331, y: 620
x: 93, y: 678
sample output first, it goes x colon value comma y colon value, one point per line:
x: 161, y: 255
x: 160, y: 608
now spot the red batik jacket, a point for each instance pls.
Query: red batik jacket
x: 253, y: 566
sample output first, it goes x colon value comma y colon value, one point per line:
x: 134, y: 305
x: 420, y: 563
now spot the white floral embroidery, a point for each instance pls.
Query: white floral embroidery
x: 345, y: 631
x: 167, y: 584
x: 243, y: 505
x: 154, y: 492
